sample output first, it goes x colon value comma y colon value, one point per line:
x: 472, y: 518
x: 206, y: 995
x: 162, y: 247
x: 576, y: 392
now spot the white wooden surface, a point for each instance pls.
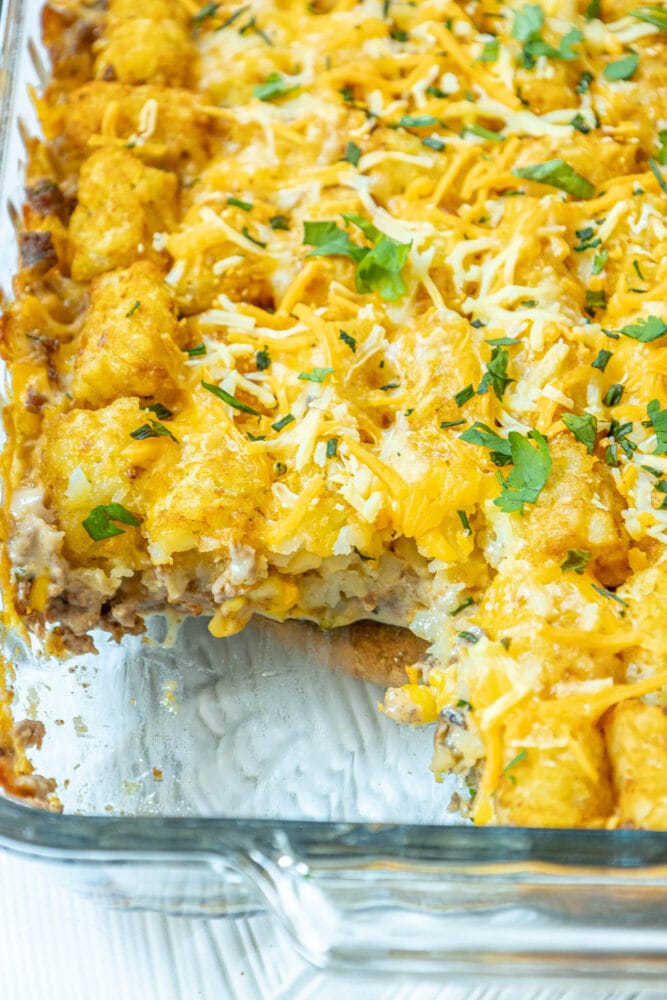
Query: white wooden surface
x: 59, y: 947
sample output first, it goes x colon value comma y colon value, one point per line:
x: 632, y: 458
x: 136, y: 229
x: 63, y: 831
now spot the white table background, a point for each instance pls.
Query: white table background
x: 59, y: 947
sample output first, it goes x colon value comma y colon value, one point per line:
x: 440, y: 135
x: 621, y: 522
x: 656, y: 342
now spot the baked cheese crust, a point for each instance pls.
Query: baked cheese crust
x: 343, y: 310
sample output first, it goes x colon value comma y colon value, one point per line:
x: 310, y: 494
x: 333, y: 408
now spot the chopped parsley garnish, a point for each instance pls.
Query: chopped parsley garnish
x: 529, y: 474
x: 588, y: 240
x: 618, y: 432
x: 661, y: 155
x: 595, y: 299
x: 332, y: 447
x: 576, y: 561
x: 263, y: 359
x: 388, y: 386
x: 462, y: 606
x: 279, y: 222
x: 227, y: 397
x: 451, y: 423
x: 592, y: 10
x: 347, y: 339
x: 613, y: 395
x: 274, y: 86
x: 489, y: 53
x: 496, y: 373
x: 464, y: 395
x: 279, y: 468
x: 418, y: 121
x: 196, y: 352
x: 658, y: 420
x: 482, y: 133
x: 645, y: 330
x: 638, y: 271
x: 583, y: 427
x: 527, y: 29
x: 433, y: 142
x: 623, y: 68
x: 463, y: 517
x: 160, y: 411
x: 132, y: 311
x: 503, y: 341
x: 579, y: 123
x: 364, y: 558
x: 153, y: 429
x: 378, y: 270
x: 256, y: 437
x: 208, y: 10
x: 462, y: 703
x: 352, y: 154
x: 468, y: 636
x: 316, y: 375
x: 500, y: 451
x: 602, y: 360
x: 608, y: 593
x: 520, y: 757
x: 289, y: 418
x: 599, y: 262
x: 557, y: 173
x: 100, y: 522
x: 246, y: 206
x: 653, y: 14
x: 584, y: 83
x: 258, y: 243
x: 657, y: 173
x: 399, y: 35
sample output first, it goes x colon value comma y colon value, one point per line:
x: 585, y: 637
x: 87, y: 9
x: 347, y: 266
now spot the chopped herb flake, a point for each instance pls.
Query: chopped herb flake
x: 657, y: 173
x: 462, y: 606
x: 347, y: 339
x: 464, y: 395
x: 613, y: 395
x: 283, y: 422
x: 490, y: 51
x: 153, y: 429
x: 463, y: 517
x: 418, y: 121
x: 496, y: 373
x: 482, y: 133
x: 274, y: 86
x: 576, y: 561
x: 246, y: 233
x: 595, y: 299
x: 99, y: 523
x: 559, y: 174
x: 645, y: 330
x: 607, y: 593
x: 226, y: 397
x: 520, y: 757
x: 602, y: 360
x: 468, y: 636
x: 499, y: 448
x: 623, y: 68
x: 583, y: 427
x: 599, y: 262
x: 528, y: 477
x: 132, y: 311
x: 433, y: 142
x: 263, y: 359
x: 196, y: 352
x: 332, y: 447
x: 246, y: 206
x: 279, y: 222
x: 451, y: 423
x: 160, y: 411
x: 658, y: 419
x: 316, y: 375
x: 652, y: 14
x: 352, y: 154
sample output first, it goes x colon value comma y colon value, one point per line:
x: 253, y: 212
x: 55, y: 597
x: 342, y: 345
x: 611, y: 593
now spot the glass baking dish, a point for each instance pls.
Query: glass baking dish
x: 219, y: 777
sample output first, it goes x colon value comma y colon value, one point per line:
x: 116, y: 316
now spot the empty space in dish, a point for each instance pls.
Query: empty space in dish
x: 257, y: 725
